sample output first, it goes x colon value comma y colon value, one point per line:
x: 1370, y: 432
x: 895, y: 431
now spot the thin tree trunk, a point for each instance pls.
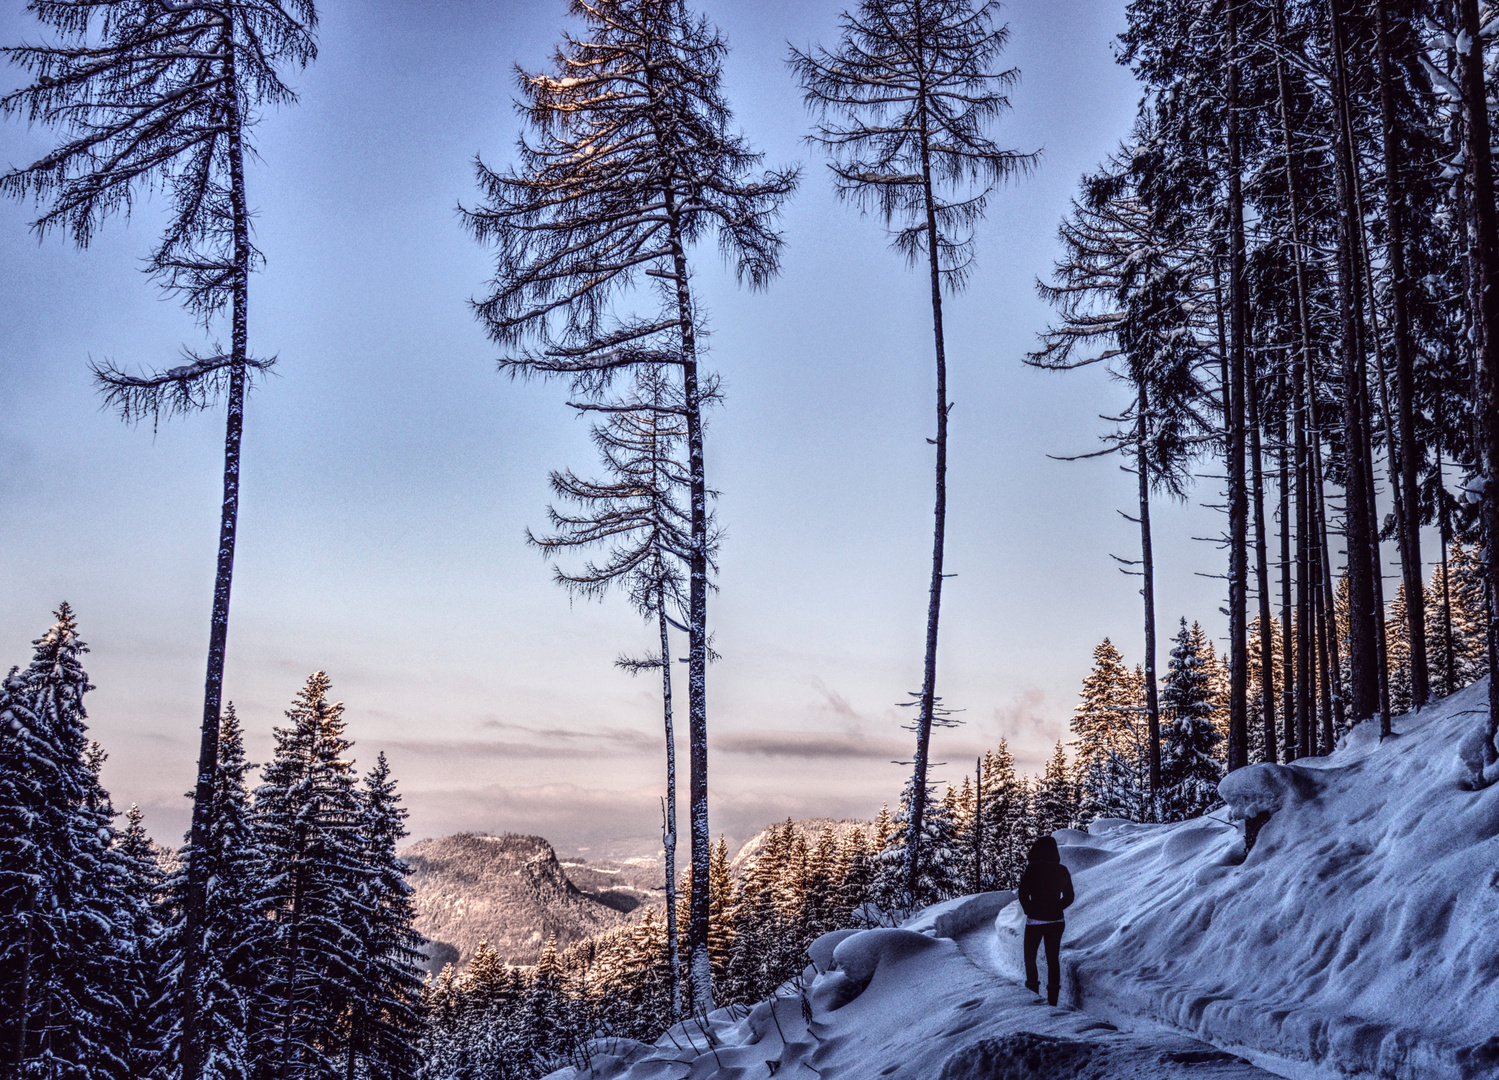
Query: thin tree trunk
x: 1287, y: 619
x: 1444, y: 525
x: 1357, y: 514
x: 1408, y: 509
x: 1485, y: 237
x: 1332, y: 665
x: 927, y: 704
x: 669, y: 817
x: 1376, y: 561
x: 1262, y: 572
x: 1297, y: 721
x: 1238, y: 510
x: 23, y: 1013
x: 698, y: 908
x: 213, y: 691
x: 978, y: 825
x: 1147, y: 592
x: 1326, y: 637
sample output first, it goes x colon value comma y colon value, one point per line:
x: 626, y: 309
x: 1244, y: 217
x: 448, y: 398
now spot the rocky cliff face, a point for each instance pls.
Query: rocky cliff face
x: 512, y: 892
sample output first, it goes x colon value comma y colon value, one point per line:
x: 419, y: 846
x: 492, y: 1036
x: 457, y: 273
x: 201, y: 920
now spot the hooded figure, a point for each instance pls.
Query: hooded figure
x: 1045, y: 890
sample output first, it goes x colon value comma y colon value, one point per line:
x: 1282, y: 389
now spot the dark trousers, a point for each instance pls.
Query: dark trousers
x: 1051, y: 933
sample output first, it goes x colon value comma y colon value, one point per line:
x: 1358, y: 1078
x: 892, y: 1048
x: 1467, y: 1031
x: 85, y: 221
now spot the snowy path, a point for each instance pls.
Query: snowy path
x: 925, y: 1003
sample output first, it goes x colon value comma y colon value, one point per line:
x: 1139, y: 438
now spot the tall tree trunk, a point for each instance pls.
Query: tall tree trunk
x: 1332, y: 664
x: 669, y: 816
x: 1298, y: 718
x: 1287, y: 617
x: 1376, y: 561
x: 1485, y: 237
x: 1408, y: 511
x: 927, y: 704
x: 218, y: 635
x: 1327, y: 636
x: 1238, y: 509
x: 1444, y: 531
x: 978, y: 825
x: 698, y: 906
x: 1363, y: 648
x: 1147, y: 592
x: 1261, y: 571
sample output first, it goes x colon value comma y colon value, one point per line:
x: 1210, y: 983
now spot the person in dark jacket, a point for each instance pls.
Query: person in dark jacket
x: 1045, y: 890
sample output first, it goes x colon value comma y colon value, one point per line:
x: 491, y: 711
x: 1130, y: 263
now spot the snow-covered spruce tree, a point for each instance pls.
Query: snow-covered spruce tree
x: 142, y: 879
x: 307, y: 812
x: 637, y: 513
x: 384, y: 1014
x: 1054, y: 805
x: 67, y: 923
x: 233, y: 938
x: 942, y: 872
x: 633, y: 162
x: 156, y: 95
x: 904, y: 105
x: 1003, y: 814
x: 1104, y: 732
x: 1189, y: 765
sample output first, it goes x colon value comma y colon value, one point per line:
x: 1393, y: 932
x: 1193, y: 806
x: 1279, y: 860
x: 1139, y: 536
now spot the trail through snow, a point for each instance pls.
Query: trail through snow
x: 1356, y: 939
x: 927, y: 1001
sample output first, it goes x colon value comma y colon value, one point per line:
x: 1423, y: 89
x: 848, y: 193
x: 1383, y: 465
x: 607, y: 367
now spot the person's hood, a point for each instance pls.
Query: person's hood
x: 1044, y: 850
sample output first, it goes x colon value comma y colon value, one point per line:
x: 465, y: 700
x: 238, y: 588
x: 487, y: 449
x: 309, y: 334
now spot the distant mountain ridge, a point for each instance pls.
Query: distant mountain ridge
x: 514, y: 893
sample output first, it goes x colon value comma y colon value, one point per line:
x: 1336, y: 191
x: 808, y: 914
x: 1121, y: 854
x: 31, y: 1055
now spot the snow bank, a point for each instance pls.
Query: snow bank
x: 1360, y: 934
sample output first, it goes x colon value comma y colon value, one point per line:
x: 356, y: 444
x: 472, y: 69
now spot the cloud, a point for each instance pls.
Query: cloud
x: 552, y: 744
x: 810, y: 744
x: 835, y: 702
x: 1030, y: 715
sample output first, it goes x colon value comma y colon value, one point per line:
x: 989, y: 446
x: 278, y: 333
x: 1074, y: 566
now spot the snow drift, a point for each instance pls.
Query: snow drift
x: 1360, y: 933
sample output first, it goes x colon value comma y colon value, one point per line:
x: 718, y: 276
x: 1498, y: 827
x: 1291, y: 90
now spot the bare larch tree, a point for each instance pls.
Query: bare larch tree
x: 159, y: 96
x: 632, y: 162
x: 904, y: 104
x: 637, y: 513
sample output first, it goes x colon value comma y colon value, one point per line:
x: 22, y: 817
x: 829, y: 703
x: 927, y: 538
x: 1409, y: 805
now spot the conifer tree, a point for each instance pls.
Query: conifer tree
x: 904, y: 105
x: 1005, y: 813
x: 384, y: 1011
x: 67, y: 925
x: 1189, y: 766
x: 942, y: 872
x: 308, y: 813
x: 234, y: 929
x: 141, y: 882
x: 1109, y: 740
x: 634, y: 163
x: 1055, y: 804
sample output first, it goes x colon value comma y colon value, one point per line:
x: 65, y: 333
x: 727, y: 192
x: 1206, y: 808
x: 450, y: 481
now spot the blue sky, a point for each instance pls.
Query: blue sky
x: 390, y: 473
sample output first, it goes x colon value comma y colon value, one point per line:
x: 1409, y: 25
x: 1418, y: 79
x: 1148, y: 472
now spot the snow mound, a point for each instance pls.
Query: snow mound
x: 1357, y: 935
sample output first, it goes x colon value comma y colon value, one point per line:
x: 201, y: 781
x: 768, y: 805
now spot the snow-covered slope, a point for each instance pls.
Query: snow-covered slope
x: 1359, y: 937
x: 1362, y: 932
x: 909, y: 1004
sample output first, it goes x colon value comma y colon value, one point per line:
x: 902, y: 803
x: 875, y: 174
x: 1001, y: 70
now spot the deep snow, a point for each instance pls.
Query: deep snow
x: 1360, y: 936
